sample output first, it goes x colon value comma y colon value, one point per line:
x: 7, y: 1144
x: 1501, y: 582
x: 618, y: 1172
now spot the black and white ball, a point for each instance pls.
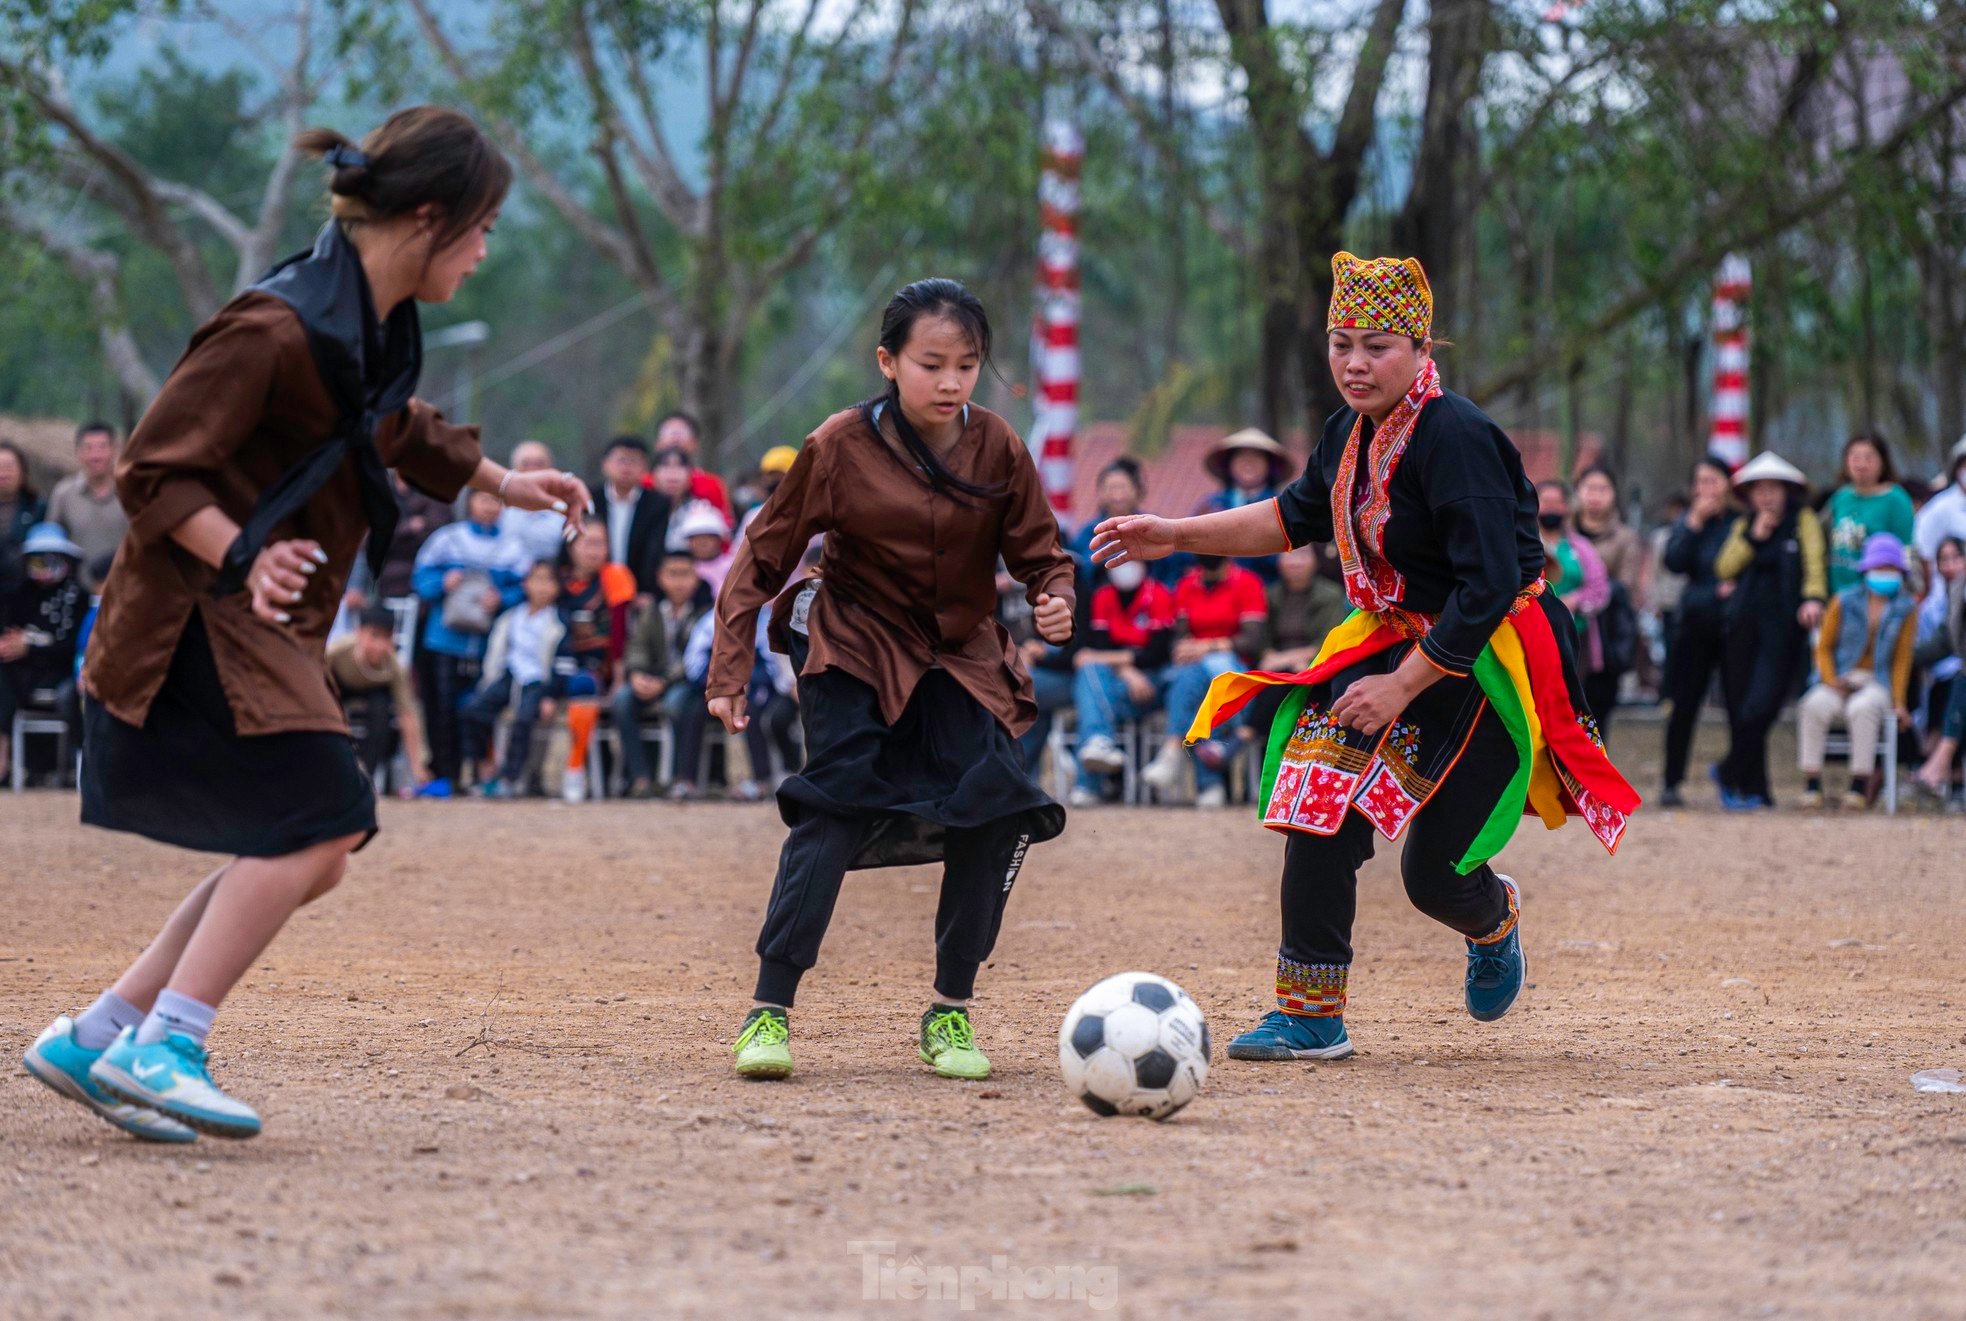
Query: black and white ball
x: 1135, y: 1044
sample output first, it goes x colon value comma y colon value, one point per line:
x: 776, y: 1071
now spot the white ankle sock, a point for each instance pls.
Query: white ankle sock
x: 176, y: 1013
x: 103, y: 1021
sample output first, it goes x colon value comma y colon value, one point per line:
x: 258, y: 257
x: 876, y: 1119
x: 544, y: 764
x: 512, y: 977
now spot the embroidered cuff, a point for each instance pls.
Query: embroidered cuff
x: 1508, y: 920
x: 1311, y: 990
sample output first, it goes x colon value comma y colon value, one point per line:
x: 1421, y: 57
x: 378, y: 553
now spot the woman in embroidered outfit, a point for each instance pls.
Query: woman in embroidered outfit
x: 910, y: 692
x: 250, y: 484
x: 1445, y: 708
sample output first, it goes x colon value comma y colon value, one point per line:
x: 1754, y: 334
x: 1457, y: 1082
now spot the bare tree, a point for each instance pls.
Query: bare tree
x: 795, y: 99
x: 176, y: 219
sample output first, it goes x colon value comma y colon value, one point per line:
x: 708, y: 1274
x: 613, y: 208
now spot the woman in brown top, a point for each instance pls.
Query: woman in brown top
x: 910, y: 691
x: 250, y: 484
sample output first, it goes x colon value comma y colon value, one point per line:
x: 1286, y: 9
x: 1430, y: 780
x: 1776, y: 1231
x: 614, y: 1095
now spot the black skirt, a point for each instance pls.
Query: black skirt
x: 946, y: 762
x: 187, y: 777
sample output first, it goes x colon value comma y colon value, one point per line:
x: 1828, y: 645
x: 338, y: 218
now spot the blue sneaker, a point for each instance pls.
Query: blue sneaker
x: 435, y: 789
x: 1731, y: 800
x: 169, y: 1076
x: 1282, y: 1036
x: 56, y: 1060
x: 1496, y: 972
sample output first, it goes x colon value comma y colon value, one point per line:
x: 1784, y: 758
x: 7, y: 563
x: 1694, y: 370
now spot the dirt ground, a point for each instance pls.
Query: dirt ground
x: 495, y: 1080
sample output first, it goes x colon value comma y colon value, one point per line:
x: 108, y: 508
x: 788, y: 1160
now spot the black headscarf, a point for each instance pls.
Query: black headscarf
x: 370, y: 369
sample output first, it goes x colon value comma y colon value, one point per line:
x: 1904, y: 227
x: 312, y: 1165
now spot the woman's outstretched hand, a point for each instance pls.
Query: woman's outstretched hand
x: 1133, y: 537
x: 561, y: 492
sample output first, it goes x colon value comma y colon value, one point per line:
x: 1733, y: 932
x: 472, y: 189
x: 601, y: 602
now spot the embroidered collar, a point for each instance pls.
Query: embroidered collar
x: 1359, y: 525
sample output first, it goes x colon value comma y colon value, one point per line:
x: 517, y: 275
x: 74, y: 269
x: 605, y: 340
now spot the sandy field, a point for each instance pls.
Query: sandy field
x: 495, y: 1079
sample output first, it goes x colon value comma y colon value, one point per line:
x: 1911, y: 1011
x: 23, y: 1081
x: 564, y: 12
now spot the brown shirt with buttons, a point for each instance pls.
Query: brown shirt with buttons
x: 243, y: 405
x: 907, y: 581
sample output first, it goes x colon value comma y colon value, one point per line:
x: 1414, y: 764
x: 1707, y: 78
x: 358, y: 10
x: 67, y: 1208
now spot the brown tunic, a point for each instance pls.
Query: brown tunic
x: 244, y: 404
x: 908, y: 577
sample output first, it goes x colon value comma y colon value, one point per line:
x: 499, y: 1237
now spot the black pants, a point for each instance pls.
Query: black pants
x: 1693, y: 654
x: 1762, y: 655
x: 480, y: 716
x: 979, y: 868
x: 375, y: 709
x: 1320, y: 872
x: 451, y: 680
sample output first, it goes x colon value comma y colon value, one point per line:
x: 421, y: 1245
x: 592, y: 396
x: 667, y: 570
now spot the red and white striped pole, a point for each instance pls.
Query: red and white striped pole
x: 1727, y: 439
x: 1055, y: 334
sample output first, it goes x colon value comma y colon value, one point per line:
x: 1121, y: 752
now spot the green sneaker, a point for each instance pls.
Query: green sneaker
x: 949, y: 1043
x: 763, y: 1048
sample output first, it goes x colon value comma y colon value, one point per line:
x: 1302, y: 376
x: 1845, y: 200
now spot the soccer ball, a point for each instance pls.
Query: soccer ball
x: 1135, y: 1044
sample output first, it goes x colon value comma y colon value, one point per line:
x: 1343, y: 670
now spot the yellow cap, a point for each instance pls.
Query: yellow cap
x: 1385, y: 293
x: 779, y: 458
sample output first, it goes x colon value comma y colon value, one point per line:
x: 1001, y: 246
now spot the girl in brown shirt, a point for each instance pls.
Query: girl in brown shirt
x: 910, y: 691
x: 250, y: 484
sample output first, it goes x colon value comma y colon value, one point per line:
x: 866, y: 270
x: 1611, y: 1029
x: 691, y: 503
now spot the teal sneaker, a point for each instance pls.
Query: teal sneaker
x: 1496, y: 972
x: 1282, y: 1036
x: 56, y: 1060
x: 170, y: 1077
x: 949, y: 1043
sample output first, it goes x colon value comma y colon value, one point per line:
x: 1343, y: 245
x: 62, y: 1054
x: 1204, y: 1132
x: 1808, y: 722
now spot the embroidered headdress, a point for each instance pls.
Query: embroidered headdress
x: 1385, y: 293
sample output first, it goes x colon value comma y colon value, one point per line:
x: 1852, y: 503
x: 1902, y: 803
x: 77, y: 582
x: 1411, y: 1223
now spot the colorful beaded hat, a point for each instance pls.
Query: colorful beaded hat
x: 1385, y: 293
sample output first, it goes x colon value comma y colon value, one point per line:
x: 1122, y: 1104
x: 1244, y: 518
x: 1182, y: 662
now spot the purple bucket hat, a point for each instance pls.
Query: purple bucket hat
x: 1882, y: 551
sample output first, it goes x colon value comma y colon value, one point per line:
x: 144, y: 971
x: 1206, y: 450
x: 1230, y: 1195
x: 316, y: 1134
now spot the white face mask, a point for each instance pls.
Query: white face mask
x: 1127, y: 575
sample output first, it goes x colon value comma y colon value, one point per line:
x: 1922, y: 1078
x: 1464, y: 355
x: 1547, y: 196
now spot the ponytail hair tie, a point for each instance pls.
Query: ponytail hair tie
x: 343, y: 157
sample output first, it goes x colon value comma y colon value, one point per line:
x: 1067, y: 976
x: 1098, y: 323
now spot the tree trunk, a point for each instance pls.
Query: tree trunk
x: 1175, y: 223
x: 1459, y: 33
x: 704, y: 384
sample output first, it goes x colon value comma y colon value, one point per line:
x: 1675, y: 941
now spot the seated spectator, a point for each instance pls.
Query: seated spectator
x: 518, y: 672
x: 466, y: 573
x: 1935, y: 776
x: 20, y: 504
x: 85, y: 502
x: 654, y: 680
x: 40, y: 620
x: 594, y: 599
x: 1122, y: 488
x: 1118, y: 672
x: 1944, y: 515
x: 1052, y: 665
x: 1304, y: 606
x: 1863, y: 655
x: 375, y: 692
x: 703, y: 532
x: 1252, y: 468
x: 417, y: 517
x: 679, y: 434
x: 771, y: 701
x: 541, y: 531
x: 1219, y: 609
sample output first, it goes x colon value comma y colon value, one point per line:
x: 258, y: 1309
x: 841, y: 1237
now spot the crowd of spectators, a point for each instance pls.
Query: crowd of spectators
x: 486, y: 626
